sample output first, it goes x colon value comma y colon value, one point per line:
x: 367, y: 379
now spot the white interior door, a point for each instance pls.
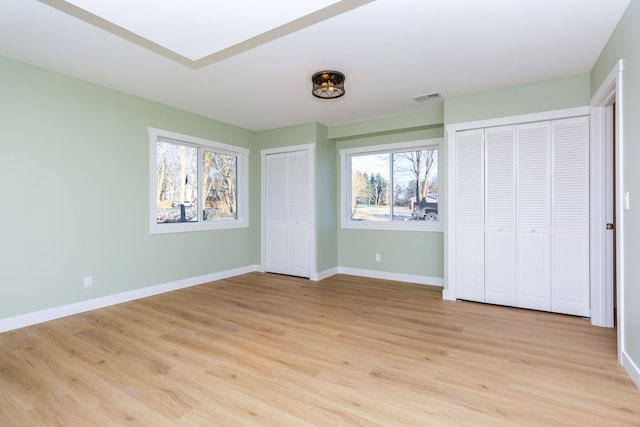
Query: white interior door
x: 298, y: 213
x: 570, y: 216
x: 276, y: 218
x: 500, y: 214
x: 287, y: 213
x: 470, y: 215
x: 610, y: 218
x: 533, y: 210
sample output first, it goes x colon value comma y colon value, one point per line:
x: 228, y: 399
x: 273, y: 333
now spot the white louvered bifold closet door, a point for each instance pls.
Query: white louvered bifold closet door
x: 287, y: 213
x: 500, y: 216
x: 276, y: 199
x: 299, y: 212
x: 570, y: 216
x: 470, y: 215
x: 533, y: 211
x: 522, y: 215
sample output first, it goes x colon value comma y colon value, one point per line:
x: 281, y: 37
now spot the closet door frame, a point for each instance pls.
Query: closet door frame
x: 449, y: 292
x: 311, y: 150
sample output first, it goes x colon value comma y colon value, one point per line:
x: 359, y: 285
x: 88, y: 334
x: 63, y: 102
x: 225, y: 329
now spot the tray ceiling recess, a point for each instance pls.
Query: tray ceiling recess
x: 197, y: 33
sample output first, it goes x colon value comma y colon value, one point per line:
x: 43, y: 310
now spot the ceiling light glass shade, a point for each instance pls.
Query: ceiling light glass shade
x: 328, y: 84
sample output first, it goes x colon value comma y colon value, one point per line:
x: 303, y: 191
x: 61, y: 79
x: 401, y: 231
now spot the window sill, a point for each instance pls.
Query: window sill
x: 185, y: 227
x: 413, y: 225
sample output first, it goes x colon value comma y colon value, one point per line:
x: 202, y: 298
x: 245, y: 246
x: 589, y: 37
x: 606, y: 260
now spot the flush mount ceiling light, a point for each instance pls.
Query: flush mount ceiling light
x: 328, y: 84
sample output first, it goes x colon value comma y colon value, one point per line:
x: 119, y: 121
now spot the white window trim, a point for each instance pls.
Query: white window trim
x: 345, y: 188
x: 242, y: 184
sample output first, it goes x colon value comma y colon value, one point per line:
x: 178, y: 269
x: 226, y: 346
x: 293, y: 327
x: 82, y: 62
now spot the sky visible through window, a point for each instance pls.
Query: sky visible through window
x: 379, y: 163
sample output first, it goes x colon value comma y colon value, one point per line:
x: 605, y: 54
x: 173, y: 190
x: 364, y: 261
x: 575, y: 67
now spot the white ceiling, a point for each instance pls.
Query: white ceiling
x: 389, y: 50
x: 186, y: 30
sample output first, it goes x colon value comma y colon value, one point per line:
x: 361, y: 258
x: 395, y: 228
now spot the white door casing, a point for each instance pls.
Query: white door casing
x: 607, y: 98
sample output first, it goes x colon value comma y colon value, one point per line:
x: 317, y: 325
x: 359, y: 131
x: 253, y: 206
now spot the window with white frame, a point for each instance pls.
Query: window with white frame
x: 196, y: 184
x: 392, y: 186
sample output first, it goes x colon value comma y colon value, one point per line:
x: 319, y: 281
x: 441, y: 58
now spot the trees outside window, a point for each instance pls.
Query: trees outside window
x: 198, y: 184
x: 394, y: 183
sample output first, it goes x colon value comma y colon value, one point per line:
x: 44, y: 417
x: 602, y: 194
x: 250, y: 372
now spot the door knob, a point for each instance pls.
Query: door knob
x: 609, y: 226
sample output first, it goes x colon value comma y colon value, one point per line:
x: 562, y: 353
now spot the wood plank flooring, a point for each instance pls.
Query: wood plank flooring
x: 271, y: 350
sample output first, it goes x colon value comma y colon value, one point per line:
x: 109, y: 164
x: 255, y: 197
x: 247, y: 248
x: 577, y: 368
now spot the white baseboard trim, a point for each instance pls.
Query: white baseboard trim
x: 23, y: 320
x: 631, y: 368
x: 400, y: 277
x: 324, y: 274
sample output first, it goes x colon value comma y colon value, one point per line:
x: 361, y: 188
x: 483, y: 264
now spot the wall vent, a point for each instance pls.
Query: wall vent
x: 428, y: 97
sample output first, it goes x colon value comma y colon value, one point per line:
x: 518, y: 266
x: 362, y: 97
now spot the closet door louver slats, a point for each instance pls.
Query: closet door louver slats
x: 500, y: 177
x: 469, y: 177
x: 571, y: 174
x: 533, y: 175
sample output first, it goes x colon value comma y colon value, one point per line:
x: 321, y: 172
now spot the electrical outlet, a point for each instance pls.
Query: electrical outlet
x: 88, y: 282
x: 378, y: 257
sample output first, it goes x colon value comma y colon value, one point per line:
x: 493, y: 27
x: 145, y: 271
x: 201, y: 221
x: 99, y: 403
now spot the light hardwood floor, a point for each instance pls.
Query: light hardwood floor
x: 262, y: 349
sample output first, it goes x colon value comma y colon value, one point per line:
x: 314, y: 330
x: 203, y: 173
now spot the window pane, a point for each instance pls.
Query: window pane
x: 219, y: 190
x: 416, y: 184
x: 405, y: 166
x: 407, y: 191
x: 177, y: 176
x: 370, y: 187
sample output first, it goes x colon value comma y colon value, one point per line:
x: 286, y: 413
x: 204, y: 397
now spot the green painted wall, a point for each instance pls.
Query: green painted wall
x: 624, y: 44
x: 388, y: 125
x: 76, y: 184
x: 285, y: 137
x: 326, y: 201
x: 325, y: 179
x: 556, y: 94
x: 276, y: 138
x: 403, y: 252
x: 75, y: 199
